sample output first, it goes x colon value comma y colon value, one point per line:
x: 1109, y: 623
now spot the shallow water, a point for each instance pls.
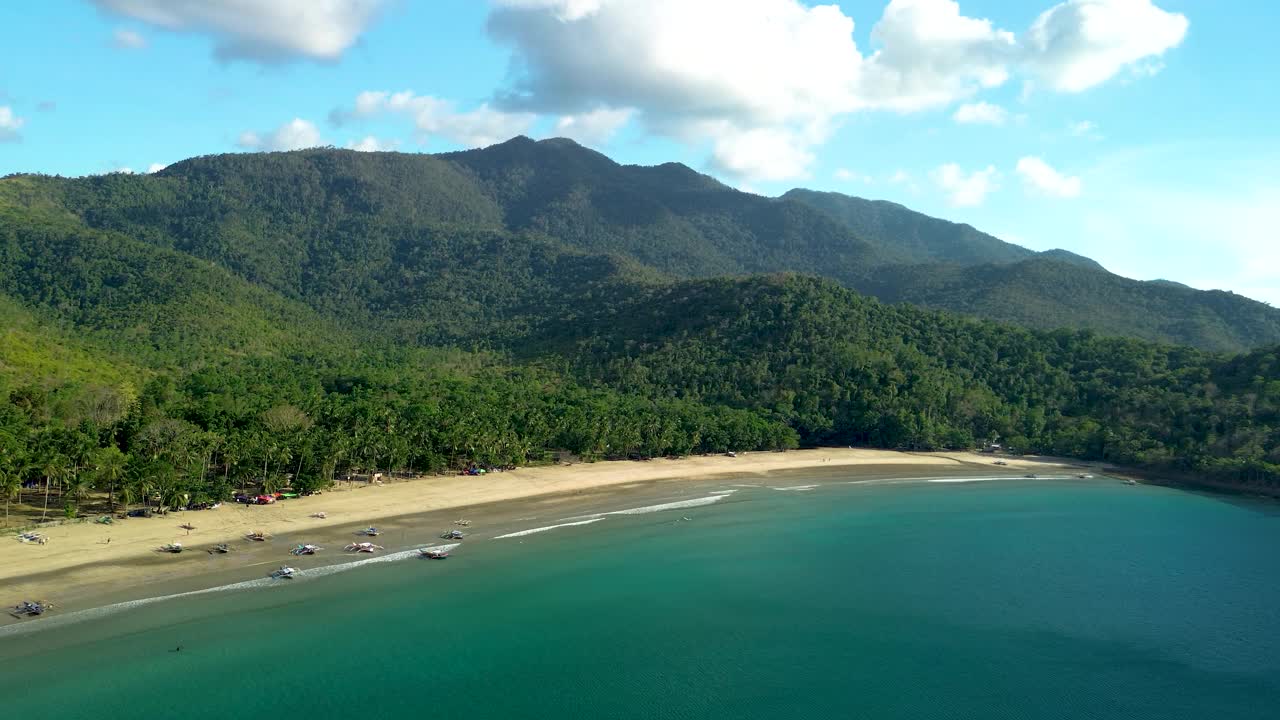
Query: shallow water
x: 920, y: 600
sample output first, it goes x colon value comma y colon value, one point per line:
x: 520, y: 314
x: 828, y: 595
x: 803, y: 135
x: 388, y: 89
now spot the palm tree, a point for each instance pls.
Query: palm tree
x: 108, y: 469
x: 10, y: 487
x: 77, y: 487
x: 52, y: 467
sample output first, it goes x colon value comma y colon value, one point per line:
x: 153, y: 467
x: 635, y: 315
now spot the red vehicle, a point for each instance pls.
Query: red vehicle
x: 266, y: 499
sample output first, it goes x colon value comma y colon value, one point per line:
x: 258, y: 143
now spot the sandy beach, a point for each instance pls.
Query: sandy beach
x: 86, y: 558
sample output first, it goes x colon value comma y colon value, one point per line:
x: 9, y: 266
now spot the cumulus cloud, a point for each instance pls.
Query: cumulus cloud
x: 155, y: 167
x: 479, y: 127
x: 1040, y: 178
x: 369, y: 143
x: 10, y: 124
x: 965, y: 190
x: 1082, y: 43
x: 775, y: 76
x: 260, y: 30
x: 293, y: 135
x: 595, y: 126
x: 128, y: 39
x: 981, y: 113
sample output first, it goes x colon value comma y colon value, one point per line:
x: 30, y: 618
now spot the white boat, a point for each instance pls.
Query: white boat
x: 433, y: 553
x: 172, y: 548
x: 371, y: 531
x: 306, y: 549
x: 284, y: 573
x: 364, y: 547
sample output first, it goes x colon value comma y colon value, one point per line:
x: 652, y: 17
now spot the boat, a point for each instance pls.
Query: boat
x: 104, y: 520
x: 1084, y: 476
x: 1130, y: 481
x: 1031, y: 476
x: 452, y: 535
x: 1000, y: 462
x: 257, y: 536
x: 463, y: 523
x: 284, y: 573
x: 174, y: 548
x: 219, y: 549
x: 320, y: 515
x: 433, y: 553
x: 371, y: 531
x: 29, y: 608
x: 306, y: 549
x: 33, y: 537
x: 364, y: 547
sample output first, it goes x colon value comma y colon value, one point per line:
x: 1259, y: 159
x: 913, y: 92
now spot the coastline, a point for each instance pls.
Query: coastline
x: 79, y: 568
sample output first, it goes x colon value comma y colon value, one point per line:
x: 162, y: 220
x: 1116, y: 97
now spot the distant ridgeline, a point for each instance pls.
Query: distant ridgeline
x: 285, y: 317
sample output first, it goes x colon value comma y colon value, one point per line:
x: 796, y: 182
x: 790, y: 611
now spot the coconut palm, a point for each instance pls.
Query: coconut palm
x: 109, y: 466
x: 53, y: 467
x: 10, y: 487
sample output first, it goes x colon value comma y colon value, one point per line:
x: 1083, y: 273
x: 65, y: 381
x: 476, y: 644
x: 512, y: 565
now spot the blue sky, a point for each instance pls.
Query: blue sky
x: 1142, y: 133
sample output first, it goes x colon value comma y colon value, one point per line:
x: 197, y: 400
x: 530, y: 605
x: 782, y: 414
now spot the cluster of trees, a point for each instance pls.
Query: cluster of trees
x: 272, y: 424
x: 840, y: 368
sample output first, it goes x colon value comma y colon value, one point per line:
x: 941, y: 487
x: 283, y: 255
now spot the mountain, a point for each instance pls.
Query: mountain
x: 395, y: 237
x: 271, y: 318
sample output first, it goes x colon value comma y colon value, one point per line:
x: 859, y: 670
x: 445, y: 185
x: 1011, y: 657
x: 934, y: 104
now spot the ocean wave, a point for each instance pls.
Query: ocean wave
x: 532, y: 531
x: 800, y: 488
x: 695, y: 502
x: 265, y: 582
x: 723, y: 492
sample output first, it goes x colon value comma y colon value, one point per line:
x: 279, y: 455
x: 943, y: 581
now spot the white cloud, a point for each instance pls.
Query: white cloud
x: 1079, y: 44
x: 370, y: 143
x: 482, y: 126
x: 1039, y: 177
x: 128, y: 39
x: 10, y: 124
x: 155, y: 167
x: 293, y: 135
x: 1084, y: 128
x: 261, y: 30
x: 965, y: 190
x: 762, y: 82
x: 981, y: 113
x: 847, y: 175
x: 593, y: 127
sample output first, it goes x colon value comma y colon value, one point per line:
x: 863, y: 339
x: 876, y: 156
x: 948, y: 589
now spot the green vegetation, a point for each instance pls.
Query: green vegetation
x: 285, y: 319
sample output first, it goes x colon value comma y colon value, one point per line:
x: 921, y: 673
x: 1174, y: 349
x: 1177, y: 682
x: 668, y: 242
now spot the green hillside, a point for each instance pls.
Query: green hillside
x: 258, y: 320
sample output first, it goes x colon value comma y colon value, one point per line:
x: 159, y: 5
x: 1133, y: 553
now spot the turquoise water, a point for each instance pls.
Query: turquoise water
x: 973, y: 600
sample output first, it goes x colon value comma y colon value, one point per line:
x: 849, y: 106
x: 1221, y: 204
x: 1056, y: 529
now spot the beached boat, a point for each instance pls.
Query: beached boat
x: 433, y: 553
x: 1130, y: 481
x: 463, y: 523
x: 284, y: 573
x: 1084, y: 476
x: 219, y: 549
x: 104, y: 520
x: 29, y: 608
x: 1000, y: 462
x: 320, y: 515
x: 371, y: 532
x: 452, y: 535
x: 33, y: 537
x: 364, y: 547
x: 174, y: 548
x: 306, y: 549
x: 257, y: 536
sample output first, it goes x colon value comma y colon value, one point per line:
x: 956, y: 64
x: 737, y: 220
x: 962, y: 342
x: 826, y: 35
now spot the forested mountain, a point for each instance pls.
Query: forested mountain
x: 281, y: 318
x: 338, y: 229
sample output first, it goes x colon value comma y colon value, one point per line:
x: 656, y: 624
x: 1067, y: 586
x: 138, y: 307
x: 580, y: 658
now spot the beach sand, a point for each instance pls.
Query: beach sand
x: 86, y: 559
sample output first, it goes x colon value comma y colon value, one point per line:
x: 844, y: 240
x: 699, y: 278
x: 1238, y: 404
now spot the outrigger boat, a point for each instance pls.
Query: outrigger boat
x: 364, y: 547
x: 452, y: 535
x: 284, y: 573
x: 371, y: 531
x: 219, y: 549
x: 433, y: 553
x: 257, y: 536
x: 463, y: 523
x: 306, y: 549
x: 28, y: 608
x: 320, y: 515
x: 33, y: 537
x: 174, y: 548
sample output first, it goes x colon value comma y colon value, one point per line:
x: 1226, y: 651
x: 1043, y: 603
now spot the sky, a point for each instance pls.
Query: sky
x: 1142, y: 133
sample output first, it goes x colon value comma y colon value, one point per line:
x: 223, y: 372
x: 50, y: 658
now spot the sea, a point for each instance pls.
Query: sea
x: 788, y: 596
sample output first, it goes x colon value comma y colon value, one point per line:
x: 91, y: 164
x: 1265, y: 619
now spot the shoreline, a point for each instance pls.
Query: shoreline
x: 79, y: 568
